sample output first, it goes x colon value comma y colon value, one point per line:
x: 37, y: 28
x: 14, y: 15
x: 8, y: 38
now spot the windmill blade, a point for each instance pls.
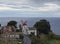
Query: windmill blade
x: 24, y: 22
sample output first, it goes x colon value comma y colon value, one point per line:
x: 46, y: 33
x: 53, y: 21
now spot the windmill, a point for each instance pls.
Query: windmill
x: 24, y: 27
x: 23, y: 22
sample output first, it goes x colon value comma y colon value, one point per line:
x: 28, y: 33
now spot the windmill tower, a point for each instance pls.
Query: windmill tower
x: 25, y: 27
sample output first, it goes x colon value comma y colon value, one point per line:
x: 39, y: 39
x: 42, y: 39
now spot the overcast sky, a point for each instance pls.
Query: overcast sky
x: 29, y: 8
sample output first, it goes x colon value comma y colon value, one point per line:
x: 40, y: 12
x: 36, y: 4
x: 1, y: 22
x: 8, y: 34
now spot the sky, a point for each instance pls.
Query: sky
x: 29, y: 8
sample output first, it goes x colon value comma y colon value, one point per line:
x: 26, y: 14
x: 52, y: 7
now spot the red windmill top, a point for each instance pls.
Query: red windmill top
x: 24, y: 23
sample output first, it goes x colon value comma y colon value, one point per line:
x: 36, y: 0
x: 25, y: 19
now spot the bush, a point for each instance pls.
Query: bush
x: 42, y: 39
x: 51, y: 35
x: 35, y: 40
x: 21, y: 36
x: 45, y: 39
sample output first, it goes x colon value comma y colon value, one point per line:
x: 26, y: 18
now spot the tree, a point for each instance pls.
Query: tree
x: 0, y: 30
x: 0, y: 25
x: 20, y: 27
x: 12, y: 23
x: 42, y: 26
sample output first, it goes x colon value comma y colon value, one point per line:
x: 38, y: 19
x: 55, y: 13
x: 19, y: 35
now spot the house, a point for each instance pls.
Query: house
x: 32, y: 30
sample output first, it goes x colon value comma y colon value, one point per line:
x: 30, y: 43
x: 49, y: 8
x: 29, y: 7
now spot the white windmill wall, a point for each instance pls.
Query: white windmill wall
x: 25, y: 30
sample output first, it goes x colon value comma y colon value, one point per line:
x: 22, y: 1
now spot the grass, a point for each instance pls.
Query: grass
x: 44, y: 39
x: 8, y: 42
x: 52, y: 41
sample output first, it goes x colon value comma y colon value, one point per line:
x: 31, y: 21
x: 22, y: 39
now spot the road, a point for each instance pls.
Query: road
x: 26, y: 40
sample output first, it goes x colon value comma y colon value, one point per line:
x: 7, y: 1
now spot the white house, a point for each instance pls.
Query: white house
x: 32, y: 30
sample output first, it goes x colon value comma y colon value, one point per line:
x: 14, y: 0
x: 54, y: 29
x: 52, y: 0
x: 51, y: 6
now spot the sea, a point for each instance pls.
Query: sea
x: 54, y: 22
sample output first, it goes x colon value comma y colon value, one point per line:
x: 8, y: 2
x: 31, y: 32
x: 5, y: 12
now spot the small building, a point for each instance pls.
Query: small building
x: 32, y: 30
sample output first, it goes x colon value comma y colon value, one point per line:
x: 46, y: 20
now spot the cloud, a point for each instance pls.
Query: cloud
x: 41, y: 2
x: 44, y: 8
x: 6, y: 8
x: 30, y: 7
x: 49, y: 7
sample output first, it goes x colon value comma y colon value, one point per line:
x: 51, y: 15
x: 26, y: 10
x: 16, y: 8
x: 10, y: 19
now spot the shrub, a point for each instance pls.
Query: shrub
x: 42, y: 39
